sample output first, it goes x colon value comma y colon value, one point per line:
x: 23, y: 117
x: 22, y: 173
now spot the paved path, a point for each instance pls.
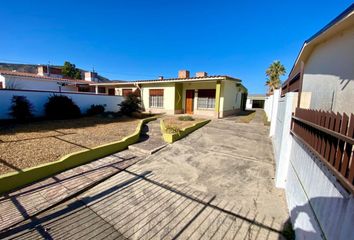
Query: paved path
x: 215, y: 184
x: 151, y: 139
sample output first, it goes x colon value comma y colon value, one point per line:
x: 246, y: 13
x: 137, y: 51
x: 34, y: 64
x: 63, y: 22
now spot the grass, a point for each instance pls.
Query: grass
x: 248, y: 118
x: 28, y: 145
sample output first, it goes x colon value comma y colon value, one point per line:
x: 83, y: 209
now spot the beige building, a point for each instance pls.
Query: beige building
x: 210, y: 96
x: 324, y: 69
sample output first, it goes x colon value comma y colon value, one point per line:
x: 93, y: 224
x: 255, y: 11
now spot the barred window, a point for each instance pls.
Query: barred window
x: 156, y: 98
x: 206, y: 99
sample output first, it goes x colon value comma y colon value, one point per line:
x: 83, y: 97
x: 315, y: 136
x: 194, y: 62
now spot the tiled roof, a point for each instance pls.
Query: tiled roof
x: 179, y: 79
x: 32, y: 75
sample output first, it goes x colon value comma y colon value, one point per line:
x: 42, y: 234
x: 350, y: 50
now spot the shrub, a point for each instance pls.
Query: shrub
x: 95, y: 110
x: 130, y: 105
x: 185, y: 118
x: 61, y: 107
x: 21, y: 108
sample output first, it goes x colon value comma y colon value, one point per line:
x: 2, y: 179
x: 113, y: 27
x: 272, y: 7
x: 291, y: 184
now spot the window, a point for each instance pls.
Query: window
x: 101, y: 90
x: 126, y: 92
x: 156, y: 98
x: 206, y: 99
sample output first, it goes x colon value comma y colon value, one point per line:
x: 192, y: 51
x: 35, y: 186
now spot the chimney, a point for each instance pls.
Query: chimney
x: 90, y: 76
x: 160, y: 77
x: 201, y: 74
x: 183, y: 74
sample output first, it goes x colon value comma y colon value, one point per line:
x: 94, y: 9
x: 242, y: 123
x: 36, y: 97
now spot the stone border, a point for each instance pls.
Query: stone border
x: 14, y: 180
x: 173, y: 137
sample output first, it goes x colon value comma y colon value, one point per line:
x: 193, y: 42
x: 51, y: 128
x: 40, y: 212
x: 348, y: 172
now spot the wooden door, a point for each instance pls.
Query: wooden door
x: 189, y: 101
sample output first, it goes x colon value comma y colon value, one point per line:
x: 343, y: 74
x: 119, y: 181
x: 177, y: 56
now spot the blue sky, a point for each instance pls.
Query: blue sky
x: 145, y: 39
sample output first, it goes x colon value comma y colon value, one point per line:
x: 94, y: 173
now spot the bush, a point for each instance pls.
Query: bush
x: 130, y: 105
x: 21, y: 109
x: 95, y: 110
x: 185, y: 118
x: 61, y: 107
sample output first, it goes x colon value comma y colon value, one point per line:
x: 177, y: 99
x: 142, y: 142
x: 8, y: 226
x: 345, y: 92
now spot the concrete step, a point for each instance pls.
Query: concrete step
x: 143, y: 149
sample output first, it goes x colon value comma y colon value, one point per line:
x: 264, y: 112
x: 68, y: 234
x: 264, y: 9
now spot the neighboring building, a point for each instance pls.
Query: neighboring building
x: 255, y: 101
x: 323, y: 72
x: 211, y: 96
x: 46, y: 79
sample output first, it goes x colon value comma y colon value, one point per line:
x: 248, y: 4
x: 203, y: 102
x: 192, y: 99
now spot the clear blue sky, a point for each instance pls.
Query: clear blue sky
x: 145, y: 39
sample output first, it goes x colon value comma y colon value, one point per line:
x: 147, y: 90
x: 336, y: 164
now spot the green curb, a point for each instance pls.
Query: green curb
x: 14, y: 180
x: 173, y: 137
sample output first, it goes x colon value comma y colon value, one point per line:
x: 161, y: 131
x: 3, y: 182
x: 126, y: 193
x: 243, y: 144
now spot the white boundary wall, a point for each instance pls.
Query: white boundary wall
x: 318, y: 205
x: 39, y: 98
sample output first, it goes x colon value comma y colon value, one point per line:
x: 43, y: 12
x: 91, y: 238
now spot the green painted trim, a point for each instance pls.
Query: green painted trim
x: 173, y: 137
x: 178, y: 96
x: 217, y: 98
x: 14, y: 180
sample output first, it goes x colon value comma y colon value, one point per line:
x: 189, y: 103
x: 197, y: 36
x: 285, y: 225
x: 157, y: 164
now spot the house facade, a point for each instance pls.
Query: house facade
x: 46, y: 79
x: 210, y: 96
x: 323, y: 72
x: 255, y: 101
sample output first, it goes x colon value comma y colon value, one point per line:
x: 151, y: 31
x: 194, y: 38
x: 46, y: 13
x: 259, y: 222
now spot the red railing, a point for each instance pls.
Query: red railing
x: 330, y: 137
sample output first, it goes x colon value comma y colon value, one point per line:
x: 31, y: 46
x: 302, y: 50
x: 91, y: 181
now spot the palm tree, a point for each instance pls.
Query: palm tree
x: 274, y: 71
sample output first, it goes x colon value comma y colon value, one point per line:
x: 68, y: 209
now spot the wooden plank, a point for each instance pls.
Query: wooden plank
x: 323, y: 139
x: 348, y: 149
x: 351, y: 171
x: 334, y: 143
x: 340, y: 151
x: 329, y: 138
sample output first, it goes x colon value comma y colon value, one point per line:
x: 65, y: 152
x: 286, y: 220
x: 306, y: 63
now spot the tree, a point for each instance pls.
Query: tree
x: 274, y: 71
x: 21, y: 108
x: 70, y: 70
x: 130, y: 104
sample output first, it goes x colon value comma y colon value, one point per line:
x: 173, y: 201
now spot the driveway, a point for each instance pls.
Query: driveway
x: 233, y: 161
x: 217, y: 183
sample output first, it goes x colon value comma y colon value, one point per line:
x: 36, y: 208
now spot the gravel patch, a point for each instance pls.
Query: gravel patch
x: 28, y: 145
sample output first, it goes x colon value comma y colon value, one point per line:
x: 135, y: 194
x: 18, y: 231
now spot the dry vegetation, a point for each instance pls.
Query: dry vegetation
x: 175, y: 124
x: 28, y: 145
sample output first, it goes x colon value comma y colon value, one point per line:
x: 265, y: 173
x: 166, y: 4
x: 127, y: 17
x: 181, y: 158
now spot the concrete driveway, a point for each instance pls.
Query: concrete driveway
x: 215, y: 184
x: 233, y: 161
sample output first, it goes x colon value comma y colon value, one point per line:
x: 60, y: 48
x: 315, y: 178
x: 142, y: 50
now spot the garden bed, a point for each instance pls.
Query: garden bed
x: 174, y: 128
x: 27, y: 145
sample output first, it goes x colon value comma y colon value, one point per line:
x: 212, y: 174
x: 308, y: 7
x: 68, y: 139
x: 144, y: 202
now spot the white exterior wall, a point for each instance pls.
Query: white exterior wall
x: 318, y: 205
x: 273, y: 120
x: 268, y: 107
x: 168, y: 97
x: 230, y: 95
x: 39, y: 98
x: 249, y: 104
x: 25, y: 83
x: 329, y: 74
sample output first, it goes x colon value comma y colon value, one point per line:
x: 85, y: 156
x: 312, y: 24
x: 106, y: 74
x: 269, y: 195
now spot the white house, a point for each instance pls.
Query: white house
x: 47, y: 79
x: 211, y: 96
x: 323, y: 72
